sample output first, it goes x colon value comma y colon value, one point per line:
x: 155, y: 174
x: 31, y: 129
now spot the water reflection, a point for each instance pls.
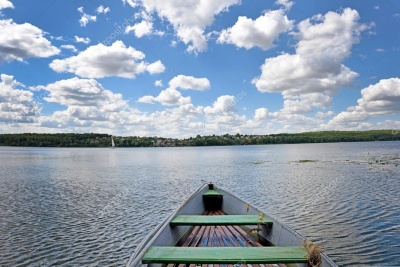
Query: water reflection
x: 91, y: 207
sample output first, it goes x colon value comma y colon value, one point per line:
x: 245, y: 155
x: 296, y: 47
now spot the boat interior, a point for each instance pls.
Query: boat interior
x: 228, y: 232
x: 222, y: 236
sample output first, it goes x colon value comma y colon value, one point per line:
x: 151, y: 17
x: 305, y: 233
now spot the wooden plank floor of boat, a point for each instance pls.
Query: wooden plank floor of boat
x: 221, y: 236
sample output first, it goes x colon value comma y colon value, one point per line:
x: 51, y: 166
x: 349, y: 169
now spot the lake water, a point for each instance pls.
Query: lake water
x: 93, y: 206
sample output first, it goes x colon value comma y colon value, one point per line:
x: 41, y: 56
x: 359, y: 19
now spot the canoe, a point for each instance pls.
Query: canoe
x: 215, y: 227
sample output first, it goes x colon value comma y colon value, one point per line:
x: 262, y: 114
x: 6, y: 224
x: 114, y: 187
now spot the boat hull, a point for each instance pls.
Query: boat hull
x: 279, y: 234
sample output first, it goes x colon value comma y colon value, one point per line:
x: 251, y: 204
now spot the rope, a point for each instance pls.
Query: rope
x: 314, y: 253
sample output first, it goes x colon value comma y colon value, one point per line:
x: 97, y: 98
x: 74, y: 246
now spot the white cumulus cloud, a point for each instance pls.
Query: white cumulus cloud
x: 85, y: 18
x: 20, y: 41
x: 100, y: 61
x: 324, y: 43
x: 189, y: 82
x: 167, y: 97
x: 6, y: 4
x: 16, y: 104
x: 189, y: 18
x: 171, y: 96
x: 223, y: 105
x: 158, y: 83
x: 324, y: 115
x: 69, y: 47
x: 132, y: 3
x: 379, y: 99
x: 287, y: 4
x: 141, y: 29
x: 261, y: 32
x: 309, y: 78
x: 82, y: 92
x: 101, y: 9
x: 85, y: 40
x: 188, y: 110
x: 156, y: 67
x: 261, y: 114
x: 304, y: 103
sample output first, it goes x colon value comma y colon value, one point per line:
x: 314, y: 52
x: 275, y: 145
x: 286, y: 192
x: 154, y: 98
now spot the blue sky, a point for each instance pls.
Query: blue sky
x: 182, y: 68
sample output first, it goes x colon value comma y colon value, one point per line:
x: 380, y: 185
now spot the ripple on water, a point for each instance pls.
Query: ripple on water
x: 92, y: 207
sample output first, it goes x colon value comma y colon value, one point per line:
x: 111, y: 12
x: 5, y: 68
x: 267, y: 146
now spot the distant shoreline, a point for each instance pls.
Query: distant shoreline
x: 104, y: 140
x: 122, y: 147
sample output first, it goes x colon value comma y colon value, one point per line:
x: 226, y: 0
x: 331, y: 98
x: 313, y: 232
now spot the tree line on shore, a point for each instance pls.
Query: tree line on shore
x: 104, y: 140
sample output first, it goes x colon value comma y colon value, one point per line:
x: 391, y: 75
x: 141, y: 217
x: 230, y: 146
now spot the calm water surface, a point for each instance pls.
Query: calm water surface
x: 92, y: 207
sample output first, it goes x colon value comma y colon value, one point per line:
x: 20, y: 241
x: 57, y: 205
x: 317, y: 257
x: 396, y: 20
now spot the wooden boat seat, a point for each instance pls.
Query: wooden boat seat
x: 219, y: 220
x: 226, y: 255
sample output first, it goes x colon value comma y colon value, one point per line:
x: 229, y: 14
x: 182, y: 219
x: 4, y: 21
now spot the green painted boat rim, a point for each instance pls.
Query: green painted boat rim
x: 213, y: 255
x: 212, y: 192
x: 220, y: 220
